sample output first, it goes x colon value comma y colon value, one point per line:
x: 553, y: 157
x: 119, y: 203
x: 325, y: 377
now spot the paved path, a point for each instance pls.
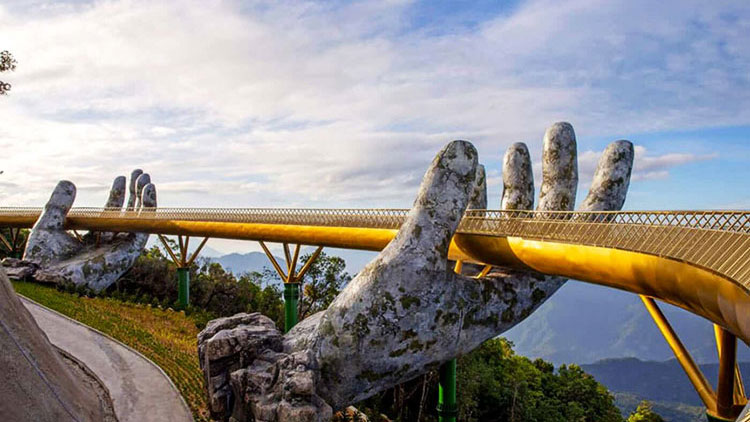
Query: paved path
x: 140, y: 390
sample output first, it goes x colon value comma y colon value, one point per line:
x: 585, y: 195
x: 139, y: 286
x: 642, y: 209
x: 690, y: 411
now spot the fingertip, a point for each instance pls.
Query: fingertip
x: 60, y: 202
x: 64, y: 193
x: 148, y: 197
x: 518, y: 178
x: 143, y: 180
x: 117, y: 193
x: 559, y: 168
x: 611, y: 178
x: 443, y: 196
x: 460, y: 157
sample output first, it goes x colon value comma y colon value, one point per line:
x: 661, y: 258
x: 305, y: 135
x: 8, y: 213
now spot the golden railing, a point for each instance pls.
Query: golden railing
x: 715, y: 240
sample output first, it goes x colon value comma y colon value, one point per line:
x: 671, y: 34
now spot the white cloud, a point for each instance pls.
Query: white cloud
x: 303, y: 103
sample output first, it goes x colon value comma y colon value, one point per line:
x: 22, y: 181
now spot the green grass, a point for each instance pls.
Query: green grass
x: 166, y: 337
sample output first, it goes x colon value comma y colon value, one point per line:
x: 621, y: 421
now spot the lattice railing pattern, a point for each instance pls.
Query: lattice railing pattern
x: 716, y: 240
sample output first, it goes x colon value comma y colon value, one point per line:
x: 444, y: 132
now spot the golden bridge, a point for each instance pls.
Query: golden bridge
x: 696, y: 260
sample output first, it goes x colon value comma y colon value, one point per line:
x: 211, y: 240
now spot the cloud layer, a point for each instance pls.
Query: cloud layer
x: 309, y: 104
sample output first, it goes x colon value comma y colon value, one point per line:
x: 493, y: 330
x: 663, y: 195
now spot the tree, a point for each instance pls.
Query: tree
x: 321, y: 283
x: 644, y: 413
x: 7, y: 63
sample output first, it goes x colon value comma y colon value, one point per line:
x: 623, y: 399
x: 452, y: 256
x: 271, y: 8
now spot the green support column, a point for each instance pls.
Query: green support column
x: 183, y: 286
x: 447, y: 408
x: 291, y: 296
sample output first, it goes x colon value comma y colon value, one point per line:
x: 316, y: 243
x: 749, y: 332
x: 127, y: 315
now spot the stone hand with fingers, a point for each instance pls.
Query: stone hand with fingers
x: 95, y: 260
x: 406, y: 312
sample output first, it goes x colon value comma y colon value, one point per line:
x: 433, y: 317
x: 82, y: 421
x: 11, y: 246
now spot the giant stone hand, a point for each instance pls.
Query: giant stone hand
x: 97, y: 259
x: 406, y: 312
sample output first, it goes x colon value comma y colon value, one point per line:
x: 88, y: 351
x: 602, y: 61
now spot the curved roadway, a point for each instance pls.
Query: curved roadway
x: 139, y: 389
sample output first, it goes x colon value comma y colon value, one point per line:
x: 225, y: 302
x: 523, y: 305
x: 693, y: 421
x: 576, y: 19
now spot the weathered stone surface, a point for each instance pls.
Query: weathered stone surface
x: 17, y: 269
x: 99, y: 259
x: 518, y: 179
x: 407, y: 312
x: 478, y: 200
x: 611, y: 179
x: 242, y: 358
x: 559, y: 169
x: 133, y: 178
x: 37, y: 384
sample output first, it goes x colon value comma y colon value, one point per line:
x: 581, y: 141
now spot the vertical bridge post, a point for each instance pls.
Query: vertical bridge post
x: 291, y: 278
x: 183, y: 262
x: 730, y: 391
x: 447, y: 407
x: 724, y: 404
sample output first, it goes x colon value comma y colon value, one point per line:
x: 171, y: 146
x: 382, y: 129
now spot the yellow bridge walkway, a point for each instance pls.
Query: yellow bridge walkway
x: 697, y: 260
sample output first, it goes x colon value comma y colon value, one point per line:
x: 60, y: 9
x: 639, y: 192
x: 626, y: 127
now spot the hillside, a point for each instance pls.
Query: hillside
x: 238, y: 263
x: 584, y: 323
x: 662, y: 383
x: 166, y: 337
x: 659, y: 381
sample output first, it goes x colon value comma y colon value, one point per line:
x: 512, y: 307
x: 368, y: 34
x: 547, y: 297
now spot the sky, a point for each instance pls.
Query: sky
x: 344, y: 104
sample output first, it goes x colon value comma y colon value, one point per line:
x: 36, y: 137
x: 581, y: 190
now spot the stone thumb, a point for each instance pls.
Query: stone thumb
x: 53, y: 216
x: 442, y: 199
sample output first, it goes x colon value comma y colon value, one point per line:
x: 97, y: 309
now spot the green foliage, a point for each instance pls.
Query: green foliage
x: 20, y: 244
x: 644, y: 413
x: 214, y: 292
x: 7, y: 63
x: 495, y: 384
x: 321, y: 283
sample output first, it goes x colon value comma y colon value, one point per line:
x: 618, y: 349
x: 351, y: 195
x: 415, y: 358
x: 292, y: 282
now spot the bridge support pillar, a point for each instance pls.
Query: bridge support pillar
x: 696, y: 377
x: 447, y: 407
x: 291, y: 298
x: 183, y: 286
x: 292, y: 279
x: 183, y: 261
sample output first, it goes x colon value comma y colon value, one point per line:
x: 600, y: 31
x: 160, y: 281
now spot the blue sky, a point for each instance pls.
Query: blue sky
x: 343, y: 104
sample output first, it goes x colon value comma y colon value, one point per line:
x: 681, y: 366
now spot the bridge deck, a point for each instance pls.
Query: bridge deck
x: 698, y: 260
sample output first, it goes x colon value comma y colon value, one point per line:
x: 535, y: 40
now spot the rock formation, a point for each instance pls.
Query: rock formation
x: 406, y: 312
x: 37, y: 384
x: 98, y: 259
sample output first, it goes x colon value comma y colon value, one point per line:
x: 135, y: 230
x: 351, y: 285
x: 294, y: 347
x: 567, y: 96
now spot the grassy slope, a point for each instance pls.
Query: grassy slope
x: 166, y: 337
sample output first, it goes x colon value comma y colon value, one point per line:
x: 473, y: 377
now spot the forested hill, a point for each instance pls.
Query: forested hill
x: 662, y: 383
x: 583, y: 323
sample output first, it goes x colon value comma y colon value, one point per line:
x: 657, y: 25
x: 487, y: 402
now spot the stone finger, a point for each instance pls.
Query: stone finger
x: 133, y: 178
x: 611, y: 179
x: 518, y: 179
x: 148, y: 196
x: 143, y: 180
x: 60, y: 202
x: 442, y: 199
x: 117, y: 193
x: 559, y: 169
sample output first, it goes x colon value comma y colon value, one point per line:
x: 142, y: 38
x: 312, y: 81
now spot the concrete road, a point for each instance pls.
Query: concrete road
x: 139, y: 389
